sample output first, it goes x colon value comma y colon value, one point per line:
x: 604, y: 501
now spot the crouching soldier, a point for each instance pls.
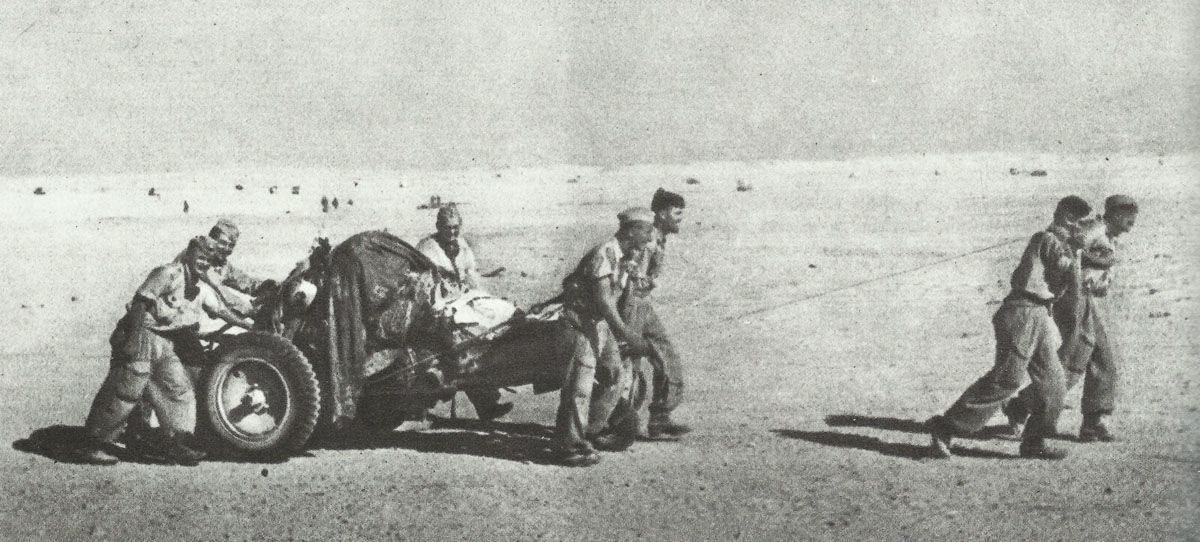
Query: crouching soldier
x: 161, y: 321
x: 591, y: 295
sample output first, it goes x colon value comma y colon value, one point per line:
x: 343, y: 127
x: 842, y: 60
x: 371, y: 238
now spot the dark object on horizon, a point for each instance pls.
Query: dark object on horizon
x: 272, y: 189
x: 334, y: 203
x: 185, y: 206
x: 692, y: 180
x: 936, y: 173
x: 744, y: 186
x: 296, y: 190
x: 1034, y: 173
x: 349, y: 202
x: 324, y: 204
x: 152, y: 192
x: 574, y: 179
x: 238, y: 186
x: 39, y: 191
x: 493, y: 273
x: 355, y: 183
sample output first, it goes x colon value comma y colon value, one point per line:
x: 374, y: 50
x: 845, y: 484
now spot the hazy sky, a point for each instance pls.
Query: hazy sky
x: 148, y: 85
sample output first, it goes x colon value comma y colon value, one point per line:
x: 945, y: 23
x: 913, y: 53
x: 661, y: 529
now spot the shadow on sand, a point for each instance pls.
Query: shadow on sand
x: 521, y: 442
x: 872, y: 444
x: 908, y: 426
x: 60, y: 443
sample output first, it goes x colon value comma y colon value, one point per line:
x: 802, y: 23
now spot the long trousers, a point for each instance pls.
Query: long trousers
x: 1027, y: 341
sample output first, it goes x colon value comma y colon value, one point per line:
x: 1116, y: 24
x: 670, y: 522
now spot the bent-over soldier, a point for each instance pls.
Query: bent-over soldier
x: 597, y: 377
x: 1087, y: 354
x: 160, y: 321
x: 1027, y: 341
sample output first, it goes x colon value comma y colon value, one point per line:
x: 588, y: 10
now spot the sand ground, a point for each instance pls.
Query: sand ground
x: 807, y: 389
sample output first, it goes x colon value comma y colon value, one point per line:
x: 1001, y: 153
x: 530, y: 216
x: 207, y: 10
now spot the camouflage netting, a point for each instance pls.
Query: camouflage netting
x: 379, y: 295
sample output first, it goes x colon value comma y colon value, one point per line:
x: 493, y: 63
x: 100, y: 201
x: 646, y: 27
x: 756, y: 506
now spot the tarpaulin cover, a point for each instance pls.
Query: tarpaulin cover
x: 379, y: 287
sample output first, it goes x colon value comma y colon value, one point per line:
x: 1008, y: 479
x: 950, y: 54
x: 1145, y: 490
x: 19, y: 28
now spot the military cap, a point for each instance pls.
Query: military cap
x: 635, y: 214
x: 202, y: 246
x: 224, y: 226
x: 1118, y: 203
x: 448, y: 213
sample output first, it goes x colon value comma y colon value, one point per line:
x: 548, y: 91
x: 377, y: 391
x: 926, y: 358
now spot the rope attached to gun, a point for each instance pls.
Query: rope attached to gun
x: 790, y: 302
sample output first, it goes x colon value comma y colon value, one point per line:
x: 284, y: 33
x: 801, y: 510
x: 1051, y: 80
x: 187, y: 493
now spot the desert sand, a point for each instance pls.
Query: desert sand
x: 823, y: 316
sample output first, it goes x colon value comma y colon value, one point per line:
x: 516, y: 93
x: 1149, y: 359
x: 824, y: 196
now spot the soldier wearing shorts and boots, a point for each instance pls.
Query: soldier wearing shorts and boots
x: 1027, y: 341
x: 597, y: 376
x: 160, y: 321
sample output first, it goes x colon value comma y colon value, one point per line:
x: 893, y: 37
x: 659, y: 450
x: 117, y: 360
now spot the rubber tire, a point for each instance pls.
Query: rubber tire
x: 298, y: 423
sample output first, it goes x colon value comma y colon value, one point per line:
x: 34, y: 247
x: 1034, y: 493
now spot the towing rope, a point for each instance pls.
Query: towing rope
x: 776, y: 306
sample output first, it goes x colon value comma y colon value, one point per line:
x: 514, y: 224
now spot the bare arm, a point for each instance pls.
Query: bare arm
x: 238, y: 280
x: 217, y: 309
x: 607, y: 297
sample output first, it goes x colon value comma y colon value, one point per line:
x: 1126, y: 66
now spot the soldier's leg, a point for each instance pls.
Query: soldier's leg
x: 120, y: 392
x: 1014, y: 335
x: 1046, y: 373
x: 172, y: 395
x: 613, y: 376
x: 1074, y: 319
x: 668, y: 377
x: 1099, y: 389
x: 575, y: 400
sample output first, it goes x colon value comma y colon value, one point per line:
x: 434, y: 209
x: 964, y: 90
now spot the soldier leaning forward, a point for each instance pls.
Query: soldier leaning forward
x: 591, y: 296
x: 1027, y: 341
x: 160, y: 322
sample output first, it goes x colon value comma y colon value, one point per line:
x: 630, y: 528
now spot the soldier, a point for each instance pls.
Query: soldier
x: 1086, y: 353
x: 1027, y: 340
x: 449, y: 251
x: 234, y: 286
x: 665, y: 375
x: 455, y: 261
x: 591, y: 294
x: 160, y: 321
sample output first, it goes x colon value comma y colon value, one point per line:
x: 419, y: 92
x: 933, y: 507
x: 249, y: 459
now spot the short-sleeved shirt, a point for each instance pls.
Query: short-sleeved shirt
x: 1096, y: 242
x: 462, y: 268
x: 606, y: 262
x: 171, y: 307
x: 226, y: 274
x: 1045, y: 268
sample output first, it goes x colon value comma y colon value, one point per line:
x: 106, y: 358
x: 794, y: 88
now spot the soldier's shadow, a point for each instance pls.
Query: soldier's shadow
x: 904, y: 425
x: 61, y: 443
x: 57, y: 442
x: 893, y: 449
x: 520, y: 442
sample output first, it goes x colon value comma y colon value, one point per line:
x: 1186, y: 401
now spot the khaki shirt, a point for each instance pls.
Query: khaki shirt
x: 604, y: 262
x: 172, y: 306
x: 1046, y: 266
x: 463, y: 268
x: 1096, y: 242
